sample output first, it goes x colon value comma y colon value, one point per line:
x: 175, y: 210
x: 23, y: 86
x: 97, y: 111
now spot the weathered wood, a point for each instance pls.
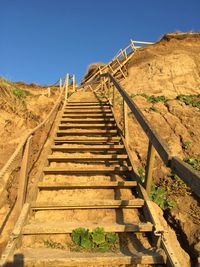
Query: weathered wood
x: 60, y: 85
x: 92, y: 138
x: 73, y: 83
x: 86, y: 120
x: 87, y: 126
x: 84, y: 112
x: 126, y: 132
x: 67, y: 228
x: 84, y: 133
x: 23, y: 176
x: 58, y: 257
x: 149, y: 167
x: 111, y: 157
x: 89, y: 204
x: 159, y: 144
x: 66, y: 87
x: 190, y: 176
x: 88, y: 185
x: 50, y: 170
x: 86, y: 148
x: 85, y: 115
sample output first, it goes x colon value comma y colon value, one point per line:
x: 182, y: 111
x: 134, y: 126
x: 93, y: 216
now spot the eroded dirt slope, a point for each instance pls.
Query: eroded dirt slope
x: 22, y: 107
x: 170, y: 71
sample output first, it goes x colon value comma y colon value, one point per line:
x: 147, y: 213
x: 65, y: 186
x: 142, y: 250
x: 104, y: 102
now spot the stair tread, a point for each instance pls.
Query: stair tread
x: 86, y: 147
x: 95, y: 157
x: 64, y: 227
x: 72, y: 185
x: 59, y: 257
x: 89, y: 204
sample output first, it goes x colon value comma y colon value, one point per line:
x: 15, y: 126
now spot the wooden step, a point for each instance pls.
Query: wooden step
x: 58, y: 257
x: 67, y: 228
x: 113, y: 157
x: 105, y: 170
x: 89, y: 204
x: 88, y: 115
x: 85, y: 132
x: 95, y: 138
x: 91, y: 105
x: 85, y: 108
x: 88, y: 185
x: 87, y: 126
x: 86, y: 148
x: 84, y: 112
x: 86, y: 142
x: 108, y: 120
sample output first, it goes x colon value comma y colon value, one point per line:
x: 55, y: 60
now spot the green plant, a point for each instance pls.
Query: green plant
x: 192, y: 100
x: 158, y: 195
x: 141, y: 173
x: 193, y: 162
x: 187, y: 144
x: 96, y: 240
x: 153, y: 109
x: 20, y: 93
x: 51, y: 244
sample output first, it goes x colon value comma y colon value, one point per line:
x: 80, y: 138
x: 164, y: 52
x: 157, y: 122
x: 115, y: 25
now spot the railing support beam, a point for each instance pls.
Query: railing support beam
x: 149, y: 167
x: 23, y: 177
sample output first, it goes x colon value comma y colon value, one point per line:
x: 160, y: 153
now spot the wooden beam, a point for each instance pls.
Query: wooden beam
x: 96, y: 171
x: 87, y: 148
x: 111, y: 157
x: 88, y: 185
x: 90, y: 204
x: 149, y: 167
x: 23, y: 176
x: 67, y: 228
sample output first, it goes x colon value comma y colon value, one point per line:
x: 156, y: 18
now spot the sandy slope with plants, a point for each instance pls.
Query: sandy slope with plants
x: 22, y: 107
x: 169, y: 70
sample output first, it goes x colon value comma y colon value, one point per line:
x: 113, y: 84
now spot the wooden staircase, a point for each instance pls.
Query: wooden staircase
x: 88, y: 182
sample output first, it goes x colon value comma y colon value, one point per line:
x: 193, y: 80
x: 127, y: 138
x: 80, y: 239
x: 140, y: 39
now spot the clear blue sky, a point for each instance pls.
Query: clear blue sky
x: 41, y: 40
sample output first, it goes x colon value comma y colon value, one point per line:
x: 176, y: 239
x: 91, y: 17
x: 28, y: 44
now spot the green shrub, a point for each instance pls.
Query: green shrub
x: 158, y: 195
x: 20, y: 93
x: 97, y: 239
x: 192, y: 100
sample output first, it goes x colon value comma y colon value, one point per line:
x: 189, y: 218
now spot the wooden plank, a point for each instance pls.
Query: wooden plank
x: 89, y: 204
x: 87, y: 126
x: 84, y: 112
x: 190, y: 176
x: 88, y: 185
x: 50, y: 170
x: 85, y: 108
x: 95, y: 138
x: 157, y: 142
x: 55, y: 257
x: 86, y: 120
x: 23, y: 177
x: 67, y: 228
x: 87, y: 142
x: 86, y: 148
x: 89, y: 115
x: 149, y: 167
x: 111, y: 157
x: 86, y: 133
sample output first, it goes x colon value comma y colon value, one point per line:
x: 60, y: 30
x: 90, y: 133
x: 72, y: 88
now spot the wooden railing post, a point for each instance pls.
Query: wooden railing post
x: 73, y: 82
x: 113, y: 99
x: 23, y: 176
x: 125, y: 113
x: 60, y: 84
x: 149, y: 167
x: 109, y: 89
x: 66, y: 86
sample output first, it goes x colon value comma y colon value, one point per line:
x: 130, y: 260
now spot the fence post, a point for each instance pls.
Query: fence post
x: 23, y: 176
x: 66, y: 86
x: 125, y: 112
x: 149, y: 167
x: 73, y: 81
x: 113, y: 99
x: 60, y: 84
x: 49, y: 91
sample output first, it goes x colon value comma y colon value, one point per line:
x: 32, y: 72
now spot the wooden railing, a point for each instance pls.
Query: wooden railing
x: 190, y: 176
x: 124, y: 54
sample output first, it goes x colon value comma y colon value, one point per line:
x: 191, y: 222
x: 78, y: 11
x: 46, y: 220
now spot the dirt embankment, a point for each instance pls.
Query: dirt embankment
x: 164, y: 81
x: 22, y: 107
